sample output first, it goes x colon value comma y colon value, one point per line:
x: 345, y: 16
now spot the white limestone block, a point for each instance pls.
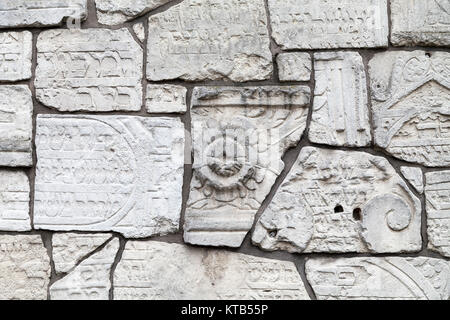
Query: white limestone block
x: 239, y: 136
x: 340, y: 114
x: 16, y: 126
x: 201, y: 40
x: 15, y: 55
x: 14, y: 201
x: 386, y: 278
x: 153, y: 270
x: 90, y: 280
x: 139, y: 30
x: 294, y: 66
x: 414, y: 176
x: 341, y: 201
x: 24, y: 268
x: 411, y: 105
x: 109, y: 173
x: 89, y: 70
x: 166, y: 98
x: 326, y: 24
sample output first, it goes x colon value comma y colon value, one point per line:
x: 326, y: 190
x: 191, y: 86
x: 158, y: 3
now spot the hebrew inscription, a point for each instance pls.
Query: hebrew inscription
x: 14, y: 199
x: 15, y: 55
x: 166, y: 98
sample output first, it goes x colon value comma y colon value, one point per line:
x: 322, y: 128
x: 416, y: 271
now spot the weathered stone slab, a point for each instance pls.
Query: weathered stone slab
x: 414, y: 176
x: 24, y: 268
x: 139, y: 30
x: 324, y: 24
x: 111, y: 12
x: 161, y: 271
x: 109, y: 173
x: 294, y: 66
x: 89, y: 69
x: 16, y: 126
x: 379, y: 278
x: 15, y: 55
x: 70, y: 248
x: 340, y: 113
x: 437, y: 195
x: 423, y: 22
x: 90, y: 280
x: 411, y: 105
x: 38, y: 13
x: 210, y: 39
x: 166, y: 98
x: 341, y: 201
x: 14, y: 201
x: 239, y: 137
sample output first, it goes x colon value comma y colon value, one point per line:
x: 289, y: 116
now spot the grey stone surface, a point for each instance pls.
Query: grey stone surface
x: 166, y: 98
x: 414, y: 176
x: 15, y: 55
x: 294, y: 66
x: 14, y: 201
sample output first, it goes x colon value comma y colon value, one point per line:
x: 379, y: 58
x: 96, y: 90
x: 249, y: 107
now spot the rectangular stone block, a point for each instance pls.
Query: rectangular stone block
x: 15, y: 55
x: 294, y: 66
x: 14, y: 201
x: 166, y: 98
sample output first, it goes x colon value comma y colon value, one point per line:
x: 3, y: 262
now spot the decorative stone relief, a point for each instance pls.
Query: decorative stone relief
x: 166, y: 98
x: 109, y: 173
x: 16, y: 125
x: 325, y: 24
x: 379, y: 278
x: 340, y: 113
x: 437, y: 195
x: 89, y: 69
x: 423, y: 22
x: 14, y: 199
x: 210, y: 39
x: 15, y: 55
x: 70, y: 248
x: 239, y: 137
x: 411, y: 105
x: 90, y: 280
x: 294, y: 66
x: 341, y: 201
x: 24, y: 266
x: 139, y: 30
x: 414, y: 176
x: 155, y: 270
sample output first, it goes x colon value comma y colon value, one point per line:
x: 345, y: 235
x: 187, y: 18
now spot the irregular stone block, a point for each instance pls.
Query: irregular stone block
x: 153, y: 270
x: 70, y: 248
x: 24, y: 268
x: 15, y: 55
x: 89, y: 69
x: 341, y: 201
x: 324, y: 24
x: 294, y: 66
x: 139, y: 30
x: 410, y: 103
x: 109, y: 173
x: 340, y: 113
x: 414, y: 176
x: 14, y: 201
x: 239, y: 137
x: 166, y: 98
x: 90, y: 280
x: 38, y: 13
x: 203, y: 39
x: 112, y: 12
x: 437, y: 195
x: 424, y: 22
x: 379, y: 278
x: 16, y: 126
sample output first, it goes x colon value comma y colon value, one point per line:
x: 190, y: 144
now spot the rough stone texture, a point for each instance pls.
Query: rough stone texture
x: 414, y: 176
x: 341, y: 201
x: 38, y: 13
x: 109, y: 173
x: 90, y: 280
x: 24, y: 268
x: 324, y: 24
x: 437, y: 195
x: 420, y: 22
x: 89, y: 69
x: 411, y: 105
x: 14, y: 201
x: 380, y: 278
x: 239, y: 136
x: 156, y: 270
x: 166, y: 98
x: 139, y: 30
x: 16, y: 126
x: 70, y: 248
x: 210, y: 39
x: 294, y: 66
x: 340, y: 113
x: 15, y: 55
x: 111, y: 12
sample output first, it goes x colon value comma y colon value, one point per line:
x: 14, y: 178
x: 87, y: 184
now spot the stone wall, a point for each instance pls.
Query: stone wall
x: 225, y: 149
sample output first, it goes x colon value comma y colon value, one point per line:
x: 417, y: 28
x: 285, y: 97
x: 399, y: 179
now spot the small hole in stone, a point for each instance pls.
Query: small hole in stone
x: 428, y: 54
x: 357, y: 214
x: 273, y: 233
x: 338, y: 209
